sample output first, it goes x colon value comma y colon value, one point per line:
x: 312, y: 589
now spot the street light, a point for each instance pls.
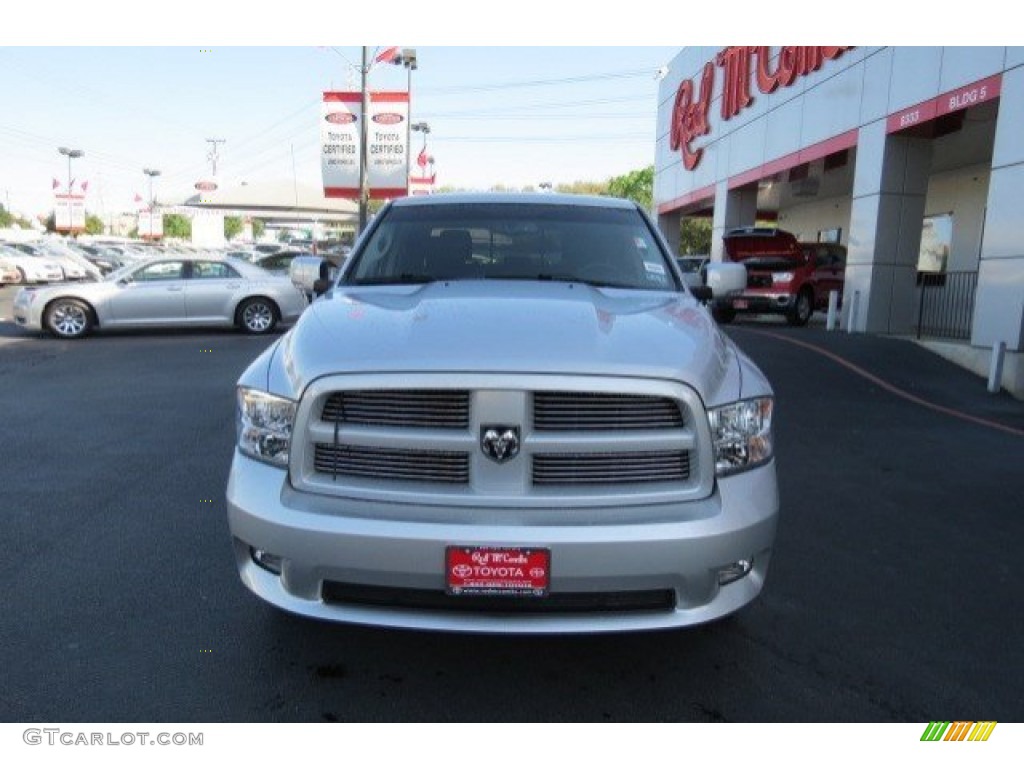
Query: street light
x: 407, y: 58
x: 71, y: 155
x: 423, y: 128
x: 152, y: 173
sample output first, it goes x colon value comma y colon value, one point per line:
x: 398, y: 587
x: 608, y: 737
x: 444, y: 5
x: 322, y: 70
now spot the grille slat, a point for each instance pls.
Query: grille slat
x: 611, y: 468
x: 571, y: 411
x: 392, y: 463
x: 446, y: 409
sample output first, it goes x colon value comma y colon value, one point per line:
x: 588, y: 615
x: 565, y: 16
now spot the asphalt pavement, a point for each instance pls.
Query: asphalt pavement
x: 893, y: 595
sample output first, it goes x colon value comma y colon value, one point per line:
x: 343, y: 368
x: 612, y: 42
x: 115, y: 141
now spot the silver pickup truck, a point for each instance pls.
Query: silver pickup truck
x: 507, y: 414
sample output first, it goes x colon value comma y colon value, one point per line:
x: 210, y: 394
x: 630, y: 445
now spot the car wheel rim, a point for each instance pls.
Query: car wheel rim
x: 257, y: 317
x: 69, y: 320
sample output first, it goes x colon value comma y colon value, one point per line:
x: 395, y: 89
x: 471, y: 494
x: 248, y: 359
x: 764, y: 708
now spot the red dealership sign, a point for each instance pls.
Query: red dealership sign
x: 738, y: 64
x: 951, y: 101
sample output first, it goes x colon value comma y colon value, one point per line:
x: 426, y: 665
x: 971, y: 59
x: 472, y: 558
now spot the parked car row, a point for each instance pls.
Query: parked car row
x: 166, y: 290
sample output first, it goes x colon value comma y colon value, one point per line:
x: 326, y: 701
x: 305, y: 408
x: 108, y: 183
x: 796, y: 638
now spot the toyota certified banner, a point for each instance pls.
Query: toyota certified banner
x: 389, y: 113
x: 386, y: 141
x: 339, y: 144
x: 69, y: 213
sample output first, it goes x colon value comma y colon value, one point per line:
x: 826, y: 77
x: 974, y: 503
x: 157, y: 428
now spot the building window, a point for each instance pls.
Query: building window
x: 833, y: 235
x: 936, y: 241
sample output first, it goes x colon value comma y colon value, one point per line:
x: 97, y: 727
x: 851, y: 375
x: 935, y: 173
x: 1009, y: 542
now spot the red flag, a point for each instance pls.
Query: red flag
x: 56, y: 183
x: 85, y: 186
x: 421, y: 160
x: 138, y: 198
x: 71, y: 186
x: 387, y: 55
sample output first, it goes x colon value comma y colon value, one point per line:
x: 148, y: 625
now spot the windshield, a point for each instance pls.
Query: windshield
x: 609, y: 247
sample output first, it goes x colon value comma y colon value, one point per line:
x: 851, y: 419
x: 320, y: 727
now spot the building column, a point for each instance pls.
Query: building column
x: 733, y: 208
x: 890, y: 185
x: 999, y: 301
x: 668, y: 224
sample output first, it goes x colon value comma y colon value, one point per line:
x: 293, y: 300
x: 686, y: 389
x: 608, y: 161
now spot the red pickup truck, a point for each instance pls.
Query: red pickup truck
x: 783, y: 276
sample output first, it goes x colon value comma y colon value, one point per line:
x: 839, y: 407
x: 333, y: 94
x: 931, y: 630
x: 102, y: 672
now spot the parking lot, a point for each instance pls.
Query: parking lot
x: 894, y: 592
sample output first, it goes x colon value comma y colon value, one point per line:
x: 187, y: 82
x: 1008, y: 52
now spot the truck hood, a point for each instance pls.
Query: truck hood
x: 507, y: 327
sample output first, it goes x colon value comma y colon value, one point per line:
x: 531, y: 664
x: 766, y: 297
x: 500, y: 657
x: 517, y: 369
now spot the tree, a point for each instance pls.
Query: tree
x: 694, y: 235
x: 637, y: 186
x: 177, y: 225
x: 258, y: 228
x: 51, y: 222
x: 583, y: 188
x: 93, y: 224
x: 232, y: 226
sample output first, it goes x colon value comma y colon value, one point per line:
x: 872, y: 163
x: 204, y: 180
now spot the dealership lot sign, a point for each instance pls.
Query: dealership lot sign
x: 387, y: 132
x: 742, y: 67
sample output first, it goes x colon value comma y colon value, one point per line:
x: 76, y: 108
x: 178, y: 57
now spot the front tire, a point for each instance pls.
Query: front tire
x: 21, y: 277
x: 257, y: 316
x: 69, y: 318
x: 723, y: 315
x: 802, y: 309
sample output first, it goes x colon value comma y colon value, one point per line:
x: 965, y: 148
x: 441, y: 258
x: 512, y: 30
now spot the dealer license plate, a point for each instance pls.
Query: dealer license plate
x: 740, y: 304
x: 511, y: 571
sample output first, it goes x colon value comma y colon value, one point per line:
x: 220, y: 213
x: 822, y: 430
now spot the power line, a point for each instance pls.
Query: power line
x: 604, y: 76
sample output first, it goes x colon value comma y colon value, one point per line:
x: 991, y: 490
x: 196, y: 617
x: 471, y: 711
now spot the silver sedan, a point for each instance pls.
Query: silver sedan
x: 165, y: 292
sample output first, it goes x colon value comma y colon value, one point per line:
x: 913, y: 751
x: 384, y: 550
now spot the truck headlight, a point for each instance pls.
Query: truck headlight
x: 742, y: 435
x: 265, y: 425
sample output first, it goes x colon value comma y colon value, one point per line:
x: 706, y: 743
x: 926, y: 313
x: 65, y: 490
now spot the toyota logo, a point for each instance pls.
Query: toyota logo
x: 499, y: 443
x: 463, y: 571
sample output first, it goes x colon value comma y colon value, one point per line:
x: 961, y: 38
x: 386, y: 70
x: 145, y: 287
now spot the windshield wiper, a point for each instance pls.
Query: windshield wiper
x: 406, y: 278
x: 577, y: 279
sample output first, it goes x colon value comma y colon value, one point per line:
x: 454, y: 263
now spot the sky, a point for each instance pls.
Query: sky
x: 515, y: 94
x: 516, y: 116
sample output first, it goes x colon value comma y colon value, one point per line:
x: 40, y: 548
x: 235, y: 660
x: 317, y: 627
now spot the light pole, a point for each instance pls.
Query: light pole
x: 71, y: 155
x: 152, y: 173
x: 408, y: 60
x: 364, y: 182
x: 423, y: 128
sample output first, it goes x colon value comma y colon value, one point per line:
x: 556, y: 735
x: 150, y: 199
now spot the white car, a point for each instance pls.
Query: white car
x: 70, y: 267
x: 32, y: 269
x: 165, y: 291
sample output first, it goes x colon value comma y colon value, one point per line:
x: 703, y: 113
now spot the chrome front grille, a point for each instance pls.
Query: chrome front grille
x: 575, y: 411
x: 392, y: 464
x: 434, y: 408
x: 587, y: 442
x: 611, y: 468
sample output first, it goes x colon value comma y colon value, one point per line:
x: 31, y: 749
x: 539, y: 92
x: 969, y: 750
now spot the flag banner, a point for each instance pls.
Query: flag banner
x: 151, y: 224
x: 388, y: 55
x: 386, y: 140
x: 339, y: 143
x: 69, y: 213
x: 56, y: 184
x: 387, y: 134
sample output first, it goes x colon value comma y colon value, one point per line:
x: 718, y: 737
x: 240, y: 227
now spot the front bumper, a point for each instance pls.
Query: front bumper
x: 760, y: 303
x: 341, y: 541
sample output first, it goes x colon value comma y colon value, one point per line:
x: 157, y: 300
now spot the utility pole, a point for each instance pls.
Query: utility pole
x: 364, y: 186
x: 213, y: 157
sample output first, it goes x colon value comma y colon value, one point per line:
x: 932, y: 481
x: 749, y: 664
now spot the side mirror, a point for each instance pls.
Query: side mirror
x: 306, y: 271
x: 321, y: 286
x: 725, y: 278
x: 702, y: 293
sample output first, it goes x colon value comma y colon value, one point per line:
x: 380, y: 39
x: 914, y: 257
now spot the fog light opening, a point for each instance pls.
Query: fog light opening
x: 265, y: 560
x: 734, y: 571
